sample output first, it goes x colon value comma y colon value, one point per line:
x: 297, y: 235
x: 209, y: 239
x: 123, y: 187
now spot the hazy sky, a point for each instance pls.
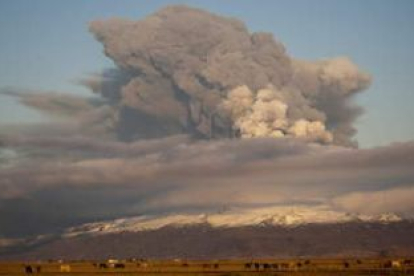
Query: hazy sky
x: 45, y: 45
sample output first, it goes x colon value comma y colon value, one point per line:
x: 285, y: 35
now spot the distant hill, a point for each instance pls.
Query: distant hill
x: 202, y: 241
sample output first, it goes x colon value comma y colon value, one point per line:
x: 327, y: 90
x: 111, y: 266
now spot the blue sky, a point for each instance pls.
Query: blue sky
x: 45, y: 45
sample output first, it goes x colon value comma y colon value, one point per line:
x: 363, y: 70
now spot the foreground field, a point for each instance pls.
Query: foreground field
x: 401, y: 266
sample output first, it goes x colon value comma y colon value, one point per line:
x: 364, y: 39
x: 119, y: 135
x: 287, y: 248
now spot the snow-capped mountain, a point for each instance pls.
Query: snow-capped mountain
x: 234, y: 233
x: 275, y: 231
x: 238, y: 217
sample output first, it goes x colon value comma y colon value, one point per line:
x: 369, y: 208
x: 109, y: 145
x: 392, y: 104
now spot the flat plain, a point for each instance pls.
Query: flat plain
x: 179, y: 267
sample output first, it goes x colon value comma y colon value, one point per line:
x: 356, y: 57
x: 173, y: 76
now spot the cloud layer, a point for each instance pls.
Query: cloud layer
x: 87, y: 179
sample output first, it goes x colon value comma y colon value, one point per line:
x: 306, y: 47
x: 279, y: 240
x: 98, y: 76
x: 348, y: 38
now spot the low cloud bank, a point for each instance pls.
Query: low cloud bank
x: 65, y: 181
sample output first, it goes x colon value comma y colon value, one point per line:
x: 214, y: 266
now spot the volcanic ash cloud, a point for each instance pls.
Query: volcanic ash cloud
x: 184, y: 70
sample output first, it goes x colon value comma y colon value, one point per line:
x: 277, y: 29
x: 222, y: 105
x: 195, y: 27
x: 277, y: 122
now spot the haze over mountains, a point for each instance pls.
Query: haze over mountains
x: 212, y: 145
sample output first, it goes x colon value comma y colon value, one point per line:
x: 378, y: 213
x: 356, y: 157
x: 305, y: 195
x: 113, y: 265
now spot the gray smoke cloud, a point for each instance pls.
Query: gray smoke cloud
x: 177, y: 67
x: 68, y: 115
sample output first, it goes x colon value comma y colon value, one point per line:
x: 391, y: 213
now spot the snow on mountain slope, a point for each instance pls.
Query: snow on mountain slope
x: 282, y: 216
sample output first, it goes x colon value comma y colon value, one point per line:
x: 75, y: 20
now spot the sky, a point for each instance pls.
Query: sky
x: 46, y: 46
x: 140, y: 144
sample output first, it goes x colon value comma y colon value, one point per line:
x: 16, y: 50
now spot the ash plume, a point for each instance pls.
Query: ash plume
x: 177, y: 68
x: 183, y: 74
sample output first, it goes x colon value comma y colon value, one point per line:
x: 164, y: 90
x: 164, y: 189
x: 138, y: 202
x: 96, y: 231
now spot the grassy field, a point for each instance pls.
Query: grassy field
x: 386, y: 266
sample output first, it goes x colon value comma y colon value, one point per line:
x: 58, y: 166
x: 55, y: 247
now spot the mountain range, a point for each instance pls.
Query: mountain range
x: 272, y: 232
